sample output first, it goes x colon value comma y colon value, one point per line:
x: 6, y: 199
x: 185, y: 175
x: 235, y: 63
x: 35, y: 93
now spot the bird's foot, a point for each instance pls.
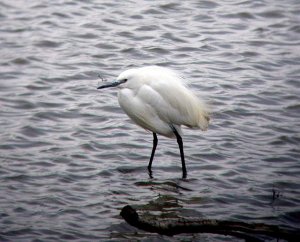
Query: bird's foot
x: 184, y: 174
x: 150, y: 172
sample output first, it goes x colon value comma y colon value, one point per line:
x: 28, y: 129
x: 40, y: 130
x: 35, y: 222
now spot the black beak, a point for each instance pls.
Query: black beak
x: 111, y: 84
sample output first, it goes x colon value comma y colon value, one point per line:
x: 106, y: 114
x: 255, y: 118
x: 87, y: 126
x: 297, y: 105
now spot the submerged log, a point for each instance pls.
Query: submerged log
x: 238, y: 229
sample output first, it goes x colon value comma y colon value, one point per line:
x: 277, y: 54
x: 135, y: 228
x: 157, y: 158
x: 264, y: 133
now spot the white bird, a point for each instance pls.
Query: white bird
x: 157, y: 99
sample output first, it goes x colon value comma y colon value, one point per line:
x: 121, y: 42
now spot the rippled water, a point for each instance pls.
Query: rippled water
x: 71, y: 159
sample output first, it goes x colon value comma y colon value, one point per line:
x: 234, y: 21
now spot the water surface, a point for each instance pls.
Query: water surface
x: 70, y: 159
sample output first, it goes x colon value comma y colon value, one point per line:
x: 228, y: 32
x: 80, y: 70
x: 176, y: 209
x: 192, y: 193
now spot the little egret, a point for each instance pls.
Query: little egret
x: 157, y: 99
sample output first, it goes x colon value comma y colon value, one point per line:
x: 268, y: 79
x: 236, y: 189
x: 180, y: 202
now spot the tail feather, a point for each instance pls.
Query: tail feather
x: 203, y: 115
x: 204, y: 121
x: 199, y: 116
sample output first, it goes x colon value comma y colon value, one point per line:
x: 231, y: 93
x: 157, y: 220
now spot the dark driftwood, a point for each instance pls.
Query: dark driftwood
x: 238, y: 229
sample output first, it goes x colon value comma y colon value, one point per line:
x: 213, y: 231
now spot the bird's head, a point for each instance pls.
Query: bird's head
x: 125, y: 79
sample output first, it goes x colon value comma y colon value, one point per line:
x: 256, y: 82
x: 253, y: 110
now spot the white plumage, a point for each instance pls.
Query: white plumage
x: 157, y: 99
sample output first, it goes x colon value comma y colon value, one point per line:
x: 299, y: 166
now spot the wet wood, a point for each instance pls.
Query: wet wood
x: 247, y: 231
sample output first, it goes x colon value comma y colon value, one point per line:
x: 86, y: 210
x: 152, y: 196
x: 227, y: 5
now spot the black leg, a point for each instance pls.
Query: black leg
x: 180, y: 144
x: 152, y: 153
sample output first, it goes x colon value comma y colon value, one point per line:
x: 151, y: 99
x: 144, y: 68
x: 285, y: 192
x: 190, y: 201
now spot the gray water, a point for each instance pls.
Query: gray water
x: 70, y: 159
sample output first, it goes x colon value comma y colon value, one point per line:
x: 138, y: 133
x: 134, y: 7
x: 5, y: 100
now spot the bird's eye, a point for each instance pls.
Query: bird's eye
x: 124, y: 80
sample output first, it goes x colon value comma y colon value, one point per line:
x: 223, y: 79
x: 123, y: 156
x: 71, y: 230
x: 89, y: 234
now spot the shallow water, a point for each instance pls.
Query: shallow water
x: 70, y: 159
